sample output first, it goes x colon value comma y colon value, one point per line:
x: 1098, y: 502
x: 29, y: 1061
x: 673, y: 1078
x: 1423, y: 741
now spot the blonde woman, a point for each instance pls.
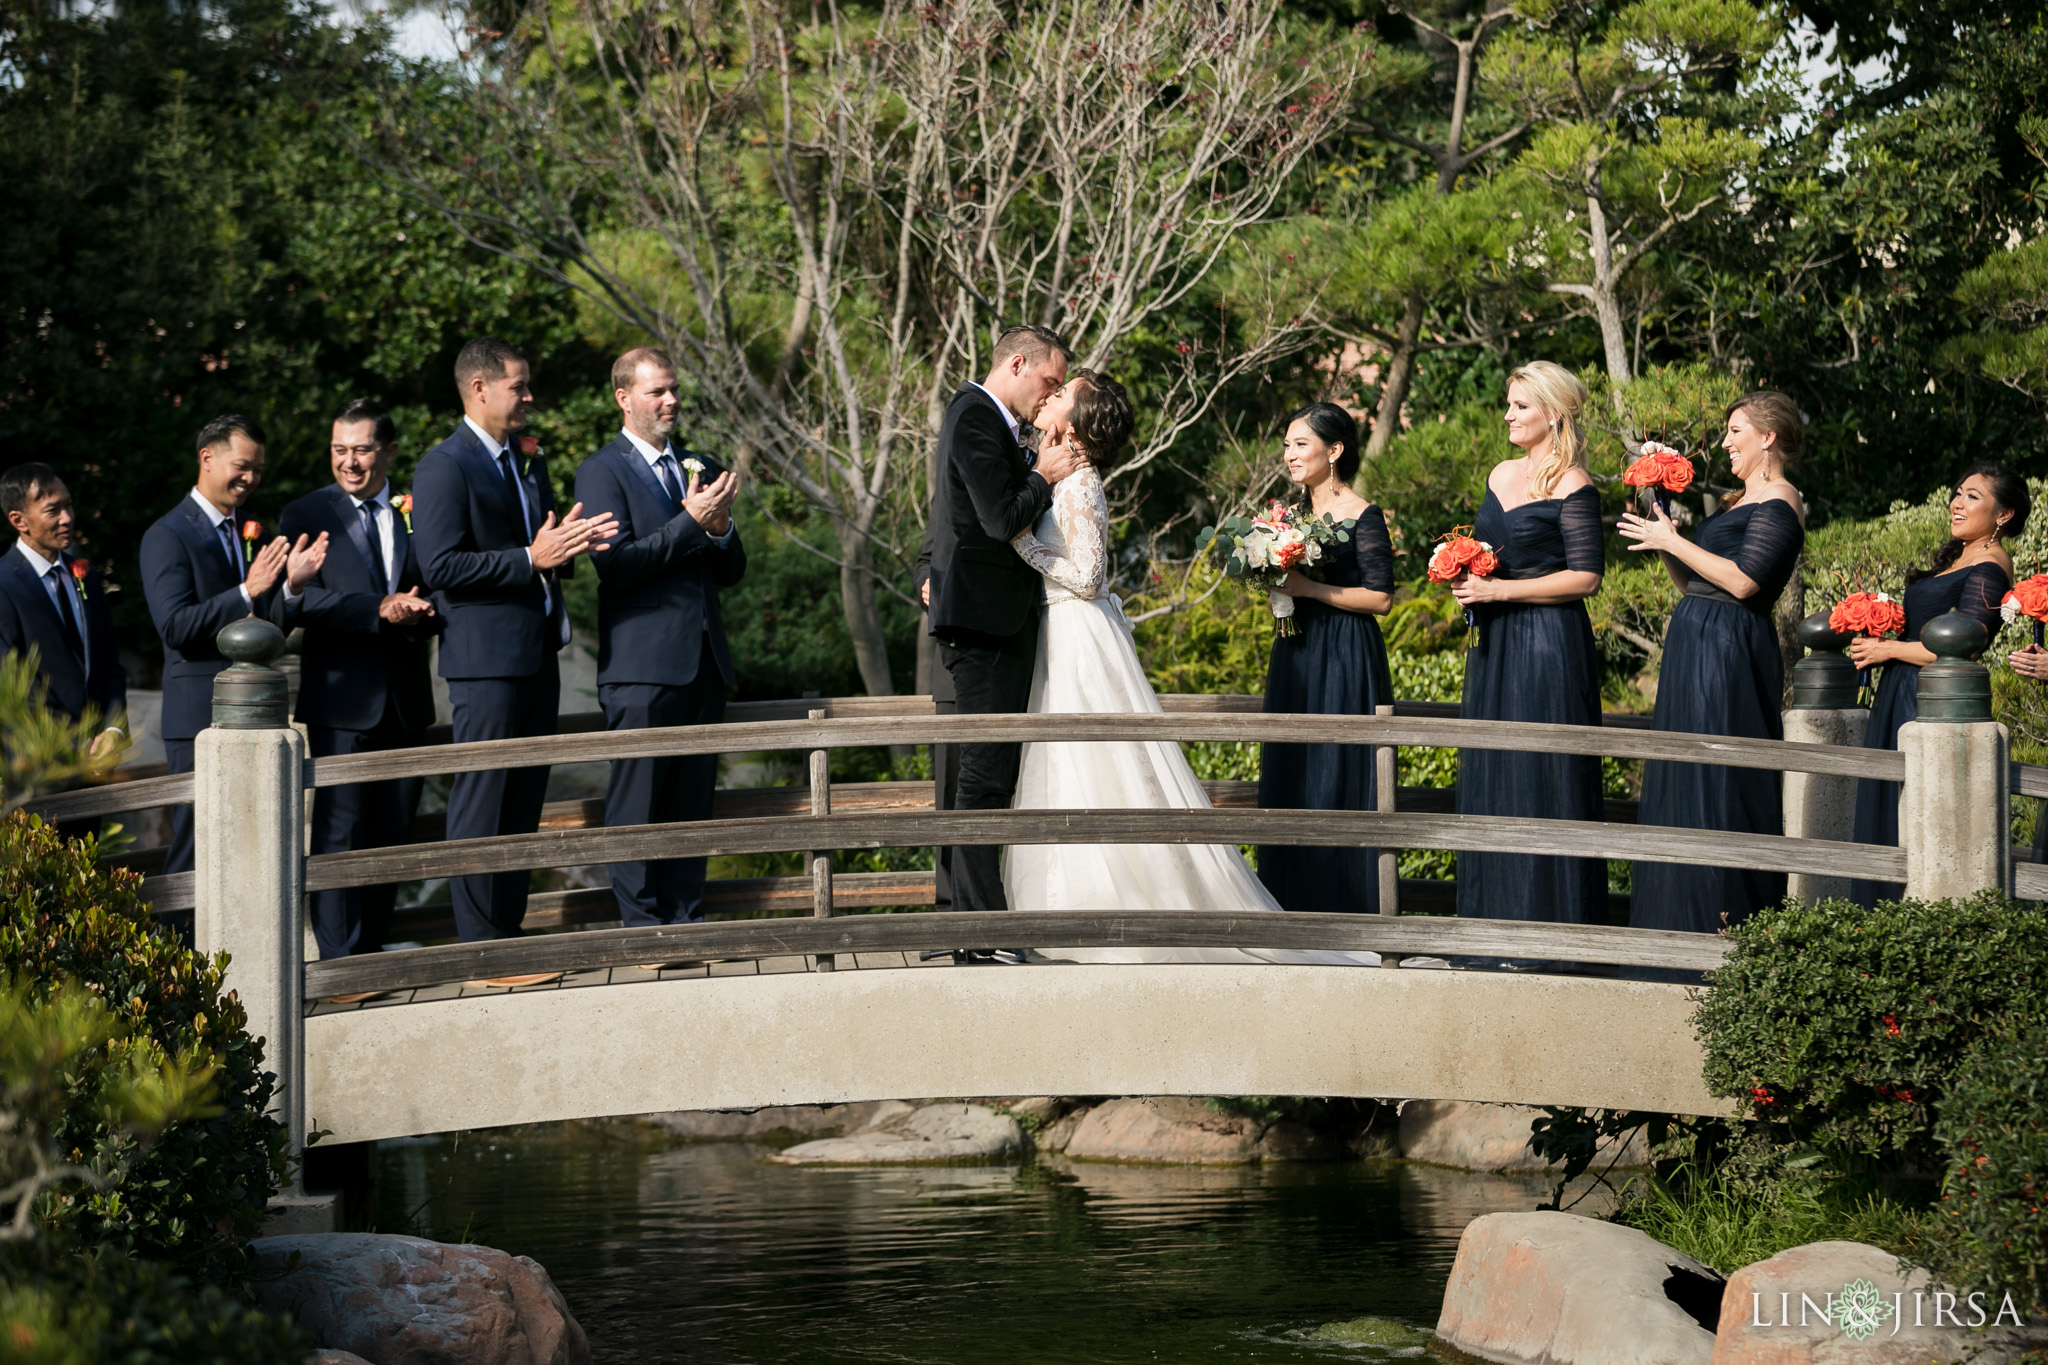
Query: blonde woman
x: 1535, y: 662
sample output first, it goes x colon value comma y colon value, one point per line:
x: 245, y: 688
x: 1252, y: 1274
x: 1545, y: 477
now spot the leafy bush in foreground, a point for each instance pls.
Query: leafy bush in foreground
x: 1994, y: 1127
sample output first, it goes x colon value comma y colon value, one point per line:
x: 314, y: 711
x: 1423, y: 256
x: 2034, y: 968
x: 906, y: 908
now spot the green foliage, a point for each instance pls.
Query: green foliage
x: 1433, y: 477
x: 109, y: 1307
x: 1994, y: 1128
x: 199, y: 1191
x: 42, y: 748
x: 1839, y: 1030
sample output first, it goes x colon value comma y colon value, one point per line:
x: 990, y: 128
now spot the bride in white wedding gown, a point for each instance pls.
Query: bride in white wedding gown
x: 1087, y: 663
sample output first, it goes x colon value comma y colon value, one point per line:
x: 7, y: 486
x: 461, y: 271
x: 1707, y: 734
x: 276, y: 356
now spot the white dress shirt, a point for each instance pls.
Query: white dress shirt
x: 380, y: 504
x: 218, y: 517
x: 668, y: 452
x: 1009, y: 418
x: 53, y: 584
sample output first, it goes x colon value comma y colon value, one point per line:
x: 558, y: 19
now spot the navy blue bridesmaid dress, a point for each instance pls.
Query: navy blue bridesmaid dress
x: 1975, y: 591
x: 1335, y: 666
x: 1723, y: 674
x: 1534, y: 665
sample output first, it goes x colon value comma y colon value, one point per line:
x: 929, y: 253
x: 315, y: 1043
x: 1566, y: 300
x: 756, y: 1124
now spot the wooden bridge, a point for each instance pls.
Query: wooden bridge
x: 790, y: 1000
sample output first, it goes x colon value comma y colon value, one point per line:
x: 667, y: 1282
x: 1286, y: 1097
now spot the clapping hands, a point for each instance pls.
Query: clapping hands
x: 556, y: 543
x: 710, y: 504
x: 297, y: 564
x: 1660, y: 534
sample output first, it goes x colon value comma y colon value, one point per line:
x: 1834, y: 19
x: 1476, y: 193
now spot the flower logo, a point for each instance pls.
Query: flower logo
x: 1860, y: 1310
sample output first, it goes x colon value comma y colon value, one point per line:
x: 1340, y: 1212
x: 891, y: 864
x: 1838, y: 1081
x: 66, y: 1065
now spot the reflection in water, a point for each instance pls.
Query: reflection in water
x: 711, y: 1255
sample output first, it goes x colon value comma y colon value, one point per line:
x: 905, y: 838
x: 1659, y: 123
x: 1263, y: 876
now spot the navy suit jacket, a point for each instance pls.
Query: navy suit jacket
x: 658, y: 584
x: 471, y: 545
x: 193, y: 592
x: 354, y: 661
x: 29, y: 618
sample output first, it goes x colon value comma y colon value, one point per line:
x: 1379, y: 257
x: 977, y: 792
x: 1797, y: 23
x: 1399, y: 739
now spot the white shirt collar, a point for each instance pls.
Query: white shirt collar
x: 491, y: 446
x: 213, y: 514
x: 647, y: 452
x: 37, y: 562
x: 1009, y: 418
x: 380, y: 498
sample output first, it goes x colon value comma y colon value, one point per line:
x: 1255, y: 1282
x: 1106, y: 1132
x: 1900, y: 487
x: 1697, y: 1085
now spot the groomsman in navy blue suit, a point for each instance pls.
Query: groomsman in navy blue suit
x: 205, y: 565
x: 363, y: 682
x: 491, y: 549
x: 55, y: 603
x: 661, y: 652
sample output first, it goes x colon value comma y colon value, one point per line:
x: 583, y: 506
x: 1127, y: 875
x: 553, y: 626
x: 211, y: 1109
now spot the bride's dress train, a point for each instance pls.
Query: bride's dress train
x: 1086, y: 663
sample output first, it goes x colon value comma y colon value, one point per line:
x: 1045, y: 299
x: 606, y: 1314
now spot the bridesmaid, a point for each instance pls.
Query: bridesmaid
x: 1723, y: 673
x: 1535, y: 661
x: 1970, y: 574
x: 1335, y: 666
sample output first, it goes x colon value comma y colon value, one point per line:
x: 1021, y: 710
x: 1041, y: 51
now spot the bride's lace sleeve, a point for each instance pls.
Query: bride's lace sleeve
x: 1081, y: 510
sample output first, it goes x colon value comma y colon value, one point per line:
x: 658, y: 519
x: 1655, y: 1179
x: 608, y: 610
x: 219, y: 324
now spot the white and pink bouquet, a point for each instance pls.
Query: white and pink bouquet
x: 1263, y: 550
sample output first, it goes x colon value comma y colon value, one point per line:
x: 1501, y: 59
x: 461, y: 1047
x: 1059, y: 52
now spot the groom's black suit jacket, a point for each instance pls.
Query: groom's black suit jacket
x: 982, y: 590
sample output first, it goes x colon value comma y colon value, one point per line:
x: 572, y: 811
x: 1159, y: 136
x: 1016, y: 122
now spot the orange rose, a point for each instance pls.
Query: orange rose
x: 1659, y: 467
x: 2029, y: 598
x: 1458, y: 553
x: 1867, y: 613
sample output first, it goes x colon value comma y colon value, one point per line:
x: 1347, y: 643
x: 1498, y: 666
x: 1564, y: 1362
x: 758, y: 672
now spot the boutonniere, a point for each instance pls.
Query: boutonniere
x: 529, y: 448
x: 79, y: 569
x: 402, y: 504
x: 251, y: 531
x: 694, y: 467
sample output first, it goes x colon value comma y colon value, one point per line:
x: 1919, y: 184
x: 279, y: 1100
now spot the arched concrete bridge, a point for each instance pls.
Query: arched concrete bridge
x: 746, y: 1035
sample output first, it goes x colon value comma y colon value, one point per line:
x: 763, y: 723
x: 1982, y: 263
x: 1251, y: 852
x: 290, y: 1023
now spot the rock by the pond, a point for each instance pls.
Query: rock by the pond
x: 1558, y: 1289
x: 800, y: 1120
x: 1483, y: 1137
x: 936, y: 1132
x: 1055, y: 1136
x: 1846, y: 1303
x: 394, y: 1300
x: 1041, y: 1109
x: 1168, y: 1129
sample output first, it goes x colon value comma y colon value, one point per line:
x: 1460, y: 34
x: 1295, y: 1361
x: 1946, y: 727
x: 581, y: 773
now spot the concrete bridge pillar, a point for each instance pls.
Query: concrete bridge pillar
x: 1955, y: 810
x: 1823, y: 711
x: 248, y: 814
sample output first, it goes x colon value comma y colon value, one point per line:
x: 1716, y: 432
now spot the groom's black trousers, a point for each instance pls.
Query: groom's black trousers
x: 991, y: 676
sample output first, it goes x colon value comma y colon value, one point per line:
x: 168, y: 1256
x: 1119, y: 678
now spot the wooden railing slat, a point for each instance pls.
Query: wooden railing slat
x: 912, y: 829
x: 2029, y: 779
x: 808, y: 936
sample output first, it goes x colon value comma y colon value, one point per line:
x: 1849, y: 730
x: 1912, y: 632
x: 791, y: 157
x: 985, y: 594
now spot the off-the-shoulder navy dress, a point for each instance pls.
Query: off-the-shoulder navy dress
x: 1975, y: 591
x: 1335, y: 666
x: 1534, y: 665
x: 1722, y: 674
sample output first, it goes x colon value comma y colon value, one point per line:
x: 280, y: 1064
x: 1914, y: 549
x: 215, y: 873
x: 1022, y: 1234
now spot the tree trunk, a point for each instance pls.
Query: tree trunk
x: 863, y: 616
x: 1607, y: 299
x: 1400, y: 370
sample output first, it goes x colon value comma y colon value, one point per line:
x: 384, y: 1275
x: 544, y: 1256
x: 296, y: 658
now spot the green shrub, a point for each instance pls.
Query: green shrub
x: 1727, y: 1224
x: 1838, y: 1029
x: 200, y: 1191
x: 112, y: 1307
x: 1994, y: 1129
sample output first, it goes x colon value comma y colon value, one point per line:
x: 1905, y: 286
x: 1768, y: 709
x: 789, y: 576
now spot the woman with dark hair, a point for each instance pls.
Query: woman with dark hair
x: 1335, y: 665
x: 1535, y: 662
x: 1723, y: 673
x: 1970, y: 574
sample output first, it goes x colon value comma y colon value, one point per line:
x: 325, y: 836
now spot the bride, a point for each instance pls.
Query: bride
x: 1086, y: 663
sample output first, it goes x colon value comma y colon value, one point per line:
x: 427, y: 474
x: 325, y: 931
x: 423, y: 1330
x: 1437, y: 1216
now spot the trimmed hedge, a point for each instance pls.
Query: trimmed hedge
x: 1994, y: 1203
x: 1836, y: 1028
x: 197, y: 1194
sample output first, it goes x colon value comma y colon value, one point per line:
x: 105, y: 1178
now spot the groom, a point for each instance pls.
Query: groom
x: 983, y: 598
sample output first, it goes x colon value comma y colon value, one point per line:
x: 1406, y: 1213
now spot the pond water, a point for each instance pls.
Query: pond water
x: 708, y: 1253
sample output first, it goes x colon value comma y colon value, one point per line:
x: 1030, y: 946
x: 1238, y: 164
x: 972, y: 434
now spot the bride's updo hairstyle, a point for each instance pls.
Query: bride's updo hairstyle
x: 1560, y: 394
x: 1102, y: 417
x: 1333, y: 426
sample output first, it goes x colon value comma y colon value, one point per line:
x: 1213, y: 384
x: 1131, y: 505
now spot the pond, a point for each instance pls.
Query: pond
x: 710, y: 1254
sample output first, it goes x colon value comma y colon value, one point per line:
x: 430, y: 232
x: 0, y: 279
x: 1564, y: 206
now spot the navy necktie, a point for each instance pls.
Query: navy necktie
x: 665, y: 470
x: 369, y: 511
x: 73, y: 637
x: 512, y: 487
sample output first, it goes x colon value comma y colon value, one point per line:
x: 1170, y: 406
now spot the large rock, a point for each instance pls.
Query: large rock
x: 406, y: 1301
x: 1558, y: 1289
x: 937, y: 1132
x: 1484, y: 1137
x: 791, y: 1120
x: 1789, y: 1310
x: 1170, y: 1129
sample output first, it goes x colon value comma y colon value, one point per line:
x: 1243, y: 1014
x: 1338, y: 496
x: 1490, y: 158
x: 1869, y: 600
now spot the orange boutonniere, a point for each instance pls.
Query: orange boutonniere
x: 529, y: 448
x: 252, y: 531
x: 402, y: 504
x: 79, y: 569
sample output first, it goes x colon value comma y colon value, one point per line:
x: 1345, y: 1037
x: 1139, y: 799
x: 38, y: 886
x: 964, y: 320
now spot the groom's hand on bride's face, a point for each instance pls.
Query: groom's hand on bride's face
x: 1057, y: 460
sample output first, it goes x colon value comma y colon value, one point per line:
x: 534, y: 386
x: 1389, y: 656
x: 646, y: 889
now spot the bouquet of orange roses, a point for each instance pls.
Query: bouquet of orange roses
x: 1659, y: 470
x: 2028, y: 598
x: 1264, y: 550
x: 1457, y: 553
x: 1874, y: 614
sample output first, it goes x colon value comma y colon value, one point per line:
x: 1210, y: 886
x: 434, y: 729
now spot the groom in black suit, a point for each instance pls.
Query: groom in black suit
x: 983, y: 598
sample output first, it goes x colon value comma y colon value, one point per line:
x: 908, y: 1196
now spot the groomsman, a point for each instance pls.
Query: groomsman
x: 491, y: 549
x: 661, y: 653
x: 205, y: 565
x: 363, y: 684
x: 56, y: 604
